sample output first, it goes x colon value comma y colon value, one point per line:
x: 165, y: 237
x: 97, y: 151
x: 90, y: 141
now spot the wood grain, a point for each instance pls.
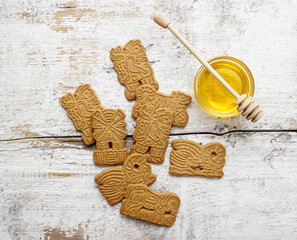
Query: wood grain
x: 47, y: 189
x: 49, y: 48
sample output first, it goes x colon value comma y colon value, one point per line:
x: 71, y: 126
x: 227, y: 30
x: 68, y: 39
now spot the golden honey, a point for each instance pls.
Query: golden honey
x: 212, y: 96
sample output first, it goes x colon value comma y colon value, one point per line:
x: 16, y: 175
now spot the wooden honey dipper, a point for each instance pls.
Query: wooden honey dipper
x: 249, y: 108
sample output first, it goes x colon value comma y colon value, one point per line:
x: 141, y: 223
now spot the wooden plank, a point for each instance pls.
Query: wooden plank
x: 47, y: 192
x: 48, y: 48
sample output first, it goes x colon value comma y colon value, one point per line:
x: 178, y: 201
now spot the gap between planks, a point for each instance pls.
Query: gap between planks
x: 173, y: 134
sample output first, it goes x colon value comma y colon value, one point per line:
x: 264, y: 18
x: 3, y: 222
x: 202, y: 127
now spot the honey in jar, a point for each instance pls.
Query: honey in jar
x: 212, y: 96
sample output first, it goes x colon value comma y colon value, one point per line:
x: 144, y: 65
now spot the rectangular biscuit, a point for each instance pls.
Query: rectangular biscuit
x: 176, y: 102
x: 155, y: 113
x: 152, y: 131
x: 80, y: 106
x: 133, y: 67
x: 141, y: 202
x: 188, y: 158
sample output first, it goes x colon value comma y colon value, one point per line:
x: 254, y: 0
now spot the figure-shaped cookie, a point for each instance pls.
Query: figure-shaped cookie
x: 133, y: 67
x: 188, y: 158
x: 152, y: 131
x: 176, y: 102
x: 108, y: 131
x: 113, y: 181
x: 143, y: 203
x: 80, y: 106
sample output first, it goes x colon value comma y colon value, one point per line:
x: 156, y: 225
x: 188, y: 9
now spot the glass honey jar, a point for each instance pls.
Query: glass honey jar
x: 212, y: 96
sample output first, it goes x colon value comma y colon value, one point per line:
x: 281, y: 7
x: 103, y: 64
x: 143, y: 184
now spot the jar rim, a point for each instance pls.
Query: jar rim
x: 242, y: 66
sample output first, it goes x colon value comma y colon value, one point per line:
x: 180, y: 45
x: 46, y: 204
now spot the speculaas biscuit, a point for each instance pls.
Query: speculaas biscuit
x: 109, y: 133
x: 176, y: 102
x: 152, y: 131
x: 80, y: 106
x: 113, y: 181
x: 143, y: 203
x: 133, y: 67
x: 188, y: 158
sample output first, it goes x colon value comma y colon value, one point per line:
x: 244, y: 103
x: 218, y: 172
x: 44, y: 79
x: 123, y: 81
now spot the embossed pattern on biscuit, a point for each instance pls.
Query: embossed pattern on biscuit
x: 176, y: 103
x: 80, y: 106
x: 188, y: 158
x: 112, y: 182
x: 133, y: 67
x: 109, y: 133
x: 152, y: 130
x: 143, y: 203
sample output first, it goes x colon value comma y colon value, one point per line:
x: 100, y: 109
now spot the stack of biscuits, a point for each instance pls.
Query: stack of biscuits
x: 155, y: 114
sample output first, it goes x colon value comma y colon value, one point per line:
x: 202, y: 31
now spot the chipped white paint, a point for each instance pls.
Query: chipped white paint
x: 48, y: 48
x: 47, y: 187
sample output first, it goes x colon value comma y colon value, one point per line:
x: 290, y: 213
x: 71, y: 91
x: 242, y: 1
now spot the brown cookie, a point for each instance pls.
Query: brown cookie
x: 109, y: 133
x: 188, y: 158
x: 133, y: 67
x: 152, y: 131
x: 143, y: 203
x: 113, y: 181
x: 80, y: 106
x: 176, y: 103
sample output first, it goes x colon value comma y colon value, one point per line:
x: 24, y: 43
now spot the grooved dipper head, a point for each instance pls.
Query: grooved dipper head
x: 161, y: 19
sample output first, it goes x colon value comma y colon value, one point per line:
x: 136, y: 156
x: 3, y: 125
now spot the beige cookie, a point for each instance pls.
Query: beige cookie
x: 80, y: 106
x: 133, y: 67
x: 113, y: 181
x: 143, y: 203
x: 176, y: 103
x: 109, y: 133
x: 188, y: 158
x: 152, y: 130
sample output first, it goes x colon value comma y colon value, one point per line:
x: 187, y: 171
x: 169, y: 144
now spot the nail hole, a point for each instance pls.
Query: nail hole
x: 167, y: 212
x: 110, y: 144
x: 136, y: 165
x: 213, y: 154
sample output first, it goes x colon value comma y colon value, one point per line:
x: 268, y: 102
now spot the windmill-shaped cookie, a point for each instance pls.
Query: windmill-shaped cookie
x: 109, y: 133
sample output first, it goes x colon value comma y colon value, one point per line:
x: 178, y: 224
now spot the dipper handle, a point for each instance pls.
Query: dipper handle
x: 162, y: 20
x: 249, y: 109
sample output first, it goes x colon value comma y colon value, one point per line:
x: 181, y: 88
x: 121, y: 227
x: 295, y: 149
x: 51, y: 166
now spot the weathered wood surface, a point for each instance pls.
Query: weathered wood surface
x: 48, y: 48
x: 47, y: 190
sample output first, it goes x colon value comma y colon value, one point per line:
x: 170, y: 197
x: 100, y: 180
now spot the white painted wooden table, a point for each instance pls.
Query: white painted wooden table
x: 48, y: 48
